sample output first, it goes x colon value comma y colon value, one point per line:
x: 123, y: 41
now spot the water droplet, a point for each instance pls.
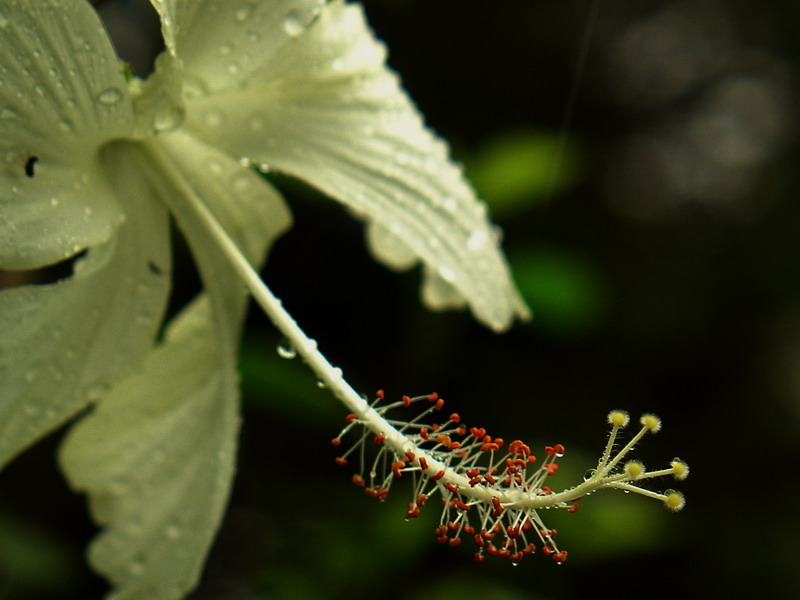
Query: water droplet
x: 40, y: 89
x: 214, y: 166
x: 109, y: 97
x: 296, y: 21
x: 264, y: 168
x: 589, y: 474
x: 286, y: 349
x: 477, y: 240
x: 226, y: 48
x: 3, y: 20
x: 53, y: 202
x: 244, y: 13
x: 233, y: 67
x: 65, y: 126
x: 168, y: 115
x: 214, y: 118
x: 7, y: 113
x: 136, y: 568
x: 173, y: 532
x: 321, y: 384
x: 447, y: 274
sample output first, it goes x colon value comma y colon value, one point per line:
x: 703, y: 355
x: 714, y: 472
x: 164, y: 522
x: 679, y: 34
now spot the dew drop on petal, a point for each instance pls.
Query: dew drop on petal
x: 109, y: 97
x: 244, y: 13
x: 295, y: 22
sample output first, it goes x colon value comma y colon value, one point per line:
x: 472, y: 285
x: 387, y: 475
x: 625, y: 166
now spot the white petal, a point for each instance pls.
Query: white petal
x: 63, y: 344
x: 219, y: 44
x: 62, y: 95
x: 325, y: 108
x: 157, y: 458
x: 157, y: 455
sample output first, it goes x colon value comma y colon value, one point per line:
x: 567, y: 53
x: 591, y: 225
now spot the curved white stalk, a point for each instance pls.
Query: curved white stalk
x: 514, y: 502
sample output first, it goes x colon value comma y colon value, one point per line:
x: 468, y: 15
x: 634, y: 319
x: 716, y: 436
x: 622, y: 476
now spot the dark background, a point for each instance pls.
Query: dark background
x: 651, y: 222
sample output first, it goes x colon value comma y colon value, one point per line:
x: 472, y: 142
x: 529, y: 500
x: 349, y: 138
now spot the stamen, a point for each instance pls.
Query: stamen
x: 485, y: 494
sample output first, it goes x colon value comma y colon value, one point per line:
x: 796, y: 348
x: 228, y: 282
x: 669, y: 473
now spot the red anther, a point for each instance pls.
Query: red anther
x: 453, y: 445
x: 518, y: 479
x: 440, y: 531
x: 435, y: 426
x: 503, y: 553
x: 512, y: 532
x: 491, y: 549
x: 531, y: 459
x: 499, y: 441
x: 489, y: 479
x: 406, y: 401
x: 336, y: 441
x: 350, y: 418
x: 413, y: 511
x: 478, y: 557
x: 573, y: 508
x: 477, y: 432
x: 433, y: 397
x: 381, y: 493
x: 340, y: 461
x: 516, y: 557
x: 550, y: 451
x: 358, y: 480
x: 370, y: 491
x: 473, y: 472
x: 510, y: 466
x: 451, y: 487
x: 527, y: 525
x: 560, y: 557
x: 380, y: 394
x: 379, y: 439
x: 489, y: 447
x: 487, y: 438
x: 547, y: 550
x: 421, y: 499
x: 463, y: 454
x: 552, y: 533
x: 439, y: 404
x: 551, y: 468
x: 512, y: 447
x: 423, y: 433
x: 410, y: 456
x: 479, y: 540
x: 474, y: 481
x: 506, y: 481
x: 546, y: 489
x: 396, y: 468
x: 497, y: 528
x: 529, y: 549
x: 486, y: 535
x: 460, y: 505
x: 444, y: 440
x: 520, y: 463
x: 438, y: 476
x: 454, y: 542
x: 442, y: 539
x: 559, y: 450
x: 423, y: 464
x: 455, y: 418
x: 498, y: 510
x: 453, y: 526
x: 469, y: 530
x: 461, y: 431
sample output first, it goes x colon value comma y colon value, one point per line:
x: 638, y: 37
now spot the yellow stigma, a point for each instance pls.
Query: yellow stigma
x: 634, y: 469
x: 651, y: 422
x: 618, y: 418
x: 674, y: 500
x: 680, y: 470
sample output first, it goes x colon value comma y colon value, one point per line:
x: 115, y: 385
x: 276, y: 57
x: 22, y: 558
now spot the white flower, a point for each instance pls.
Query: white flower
x: 91, y: 165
